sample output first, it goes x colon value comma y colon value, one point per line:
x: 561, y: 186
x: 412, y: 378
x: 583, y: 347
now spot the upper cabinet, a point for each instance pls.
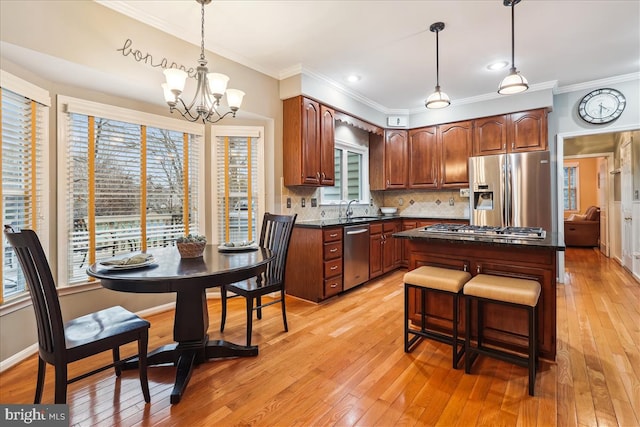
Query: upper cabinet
x: 308, y: 142
x: 456, y: 146
x: 395, y: 165
x: 424, y: 157
x: 511, y: 133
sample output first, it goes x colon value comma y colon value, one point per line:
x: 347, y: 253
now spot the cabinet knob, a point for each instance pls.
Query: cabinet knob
x: 478, y: 270
x: 465, y: 268
x: 513, y: 145
x: 504, y: 146
x: 323, y: 175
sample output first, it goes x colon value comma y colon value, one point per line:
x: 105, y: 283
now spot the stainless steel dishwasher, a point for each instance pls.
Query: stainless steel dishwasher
x: 355, y: 255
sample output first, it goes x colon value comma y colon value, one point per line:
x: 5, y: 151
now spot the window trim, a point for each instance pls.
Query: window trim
x: 67, y: 105
x: 237, y: 131
x: 575, y: 165
x: 358, y: 149
x: 41, y: 96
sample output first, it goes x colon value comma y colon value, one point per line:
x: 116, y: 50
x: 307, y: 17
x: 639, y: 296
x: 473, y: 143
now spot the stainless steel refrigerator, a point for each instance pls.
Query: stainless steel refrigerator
x: 511, y: 190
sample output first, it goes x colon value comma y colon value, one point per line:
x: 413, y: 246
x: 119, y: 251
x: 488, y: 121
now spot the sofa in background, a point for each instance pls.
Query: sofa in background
x: 583, y: 230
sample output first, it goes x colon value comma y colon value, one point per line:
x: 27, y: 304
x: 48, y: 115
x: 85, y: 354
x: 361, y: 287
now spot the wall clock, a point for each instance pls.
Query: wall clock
x: 601, y: 106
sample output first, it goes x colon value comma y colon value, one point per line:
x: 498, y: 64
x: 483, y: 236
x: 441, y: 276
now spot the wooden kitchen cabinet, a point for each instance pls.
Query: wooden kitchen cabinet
x: 511, y: 133
x: 384, y: 249
x: 455, y: 141
x: 314, y: 263
x: 308, y: 142
x: 375, y: 250
x: 424, y: 155
x: 439, y: 156
x: 388, y: 161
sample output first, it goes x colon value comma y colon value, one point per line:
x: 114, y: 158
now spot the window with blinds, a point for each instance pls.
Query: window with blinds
x: 570, y: 187
x: 129, y: 187
x: 24, y: 131
x: 351, y: 177
x: 238, y: 181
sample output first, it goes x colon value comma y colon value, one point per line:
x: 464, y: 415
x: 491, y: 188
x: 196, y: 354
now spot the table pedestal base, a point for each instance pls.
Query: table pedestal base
x: 184, y: 356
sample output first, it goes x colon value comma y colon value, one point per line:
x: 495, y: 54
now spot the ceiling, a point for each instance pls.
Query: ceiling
x: 388, y: 43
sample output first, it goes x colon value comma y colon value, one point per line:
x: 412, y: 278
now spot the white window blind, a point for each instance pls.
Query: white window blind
x: 239, y: 187
x: 129, y: 187
x: 351, y: 176
x: 571, y: 187
x: 24, y: 132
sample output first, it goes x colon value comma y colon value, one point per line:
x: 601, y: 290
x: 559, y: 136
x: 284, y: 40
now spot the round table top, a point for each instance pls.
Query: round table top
x: 171, y: 273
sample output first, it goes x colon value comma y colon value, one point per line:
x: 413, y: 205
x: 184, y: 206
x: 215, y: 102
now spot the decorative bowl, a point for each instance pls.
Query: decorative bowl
x: 191, y: 249
x: 386, y: 210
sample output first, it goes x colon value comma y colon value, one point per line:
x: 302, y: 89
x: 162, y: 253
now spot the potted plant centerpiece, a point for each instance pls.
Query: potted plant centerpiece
x: 191, y: 245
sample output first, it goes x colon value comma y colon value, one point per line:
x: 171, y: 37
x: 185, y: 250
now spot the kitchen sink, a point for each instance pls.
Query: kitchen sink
x: 361, y: 219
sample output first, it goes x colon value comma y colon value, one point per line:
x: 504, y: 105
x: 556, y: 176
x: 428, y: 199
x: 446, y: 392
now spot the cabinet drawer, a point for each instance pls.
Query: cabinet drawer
x: 332, y: 286
x: 332, y: 250
x: 333, y: 268
x: 332, y: 235
x: 375, y: 228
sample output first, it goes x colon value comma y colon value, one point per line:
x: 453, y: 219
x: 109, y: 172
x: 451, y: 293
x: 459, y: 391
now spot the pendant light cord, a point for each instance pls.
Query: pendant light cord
x: 437, y: 61
x: 513, y: 37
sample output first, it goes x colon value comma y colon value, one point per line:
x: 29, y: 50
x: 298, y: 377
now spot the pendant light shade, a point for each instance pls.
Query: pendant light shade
x: 514, y: 82
x: 437, y: 99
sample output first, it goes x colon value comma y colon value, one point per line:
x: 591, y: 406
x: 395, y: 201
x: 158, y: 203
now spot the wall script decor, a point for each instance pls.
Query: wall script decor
x: 147, y: 58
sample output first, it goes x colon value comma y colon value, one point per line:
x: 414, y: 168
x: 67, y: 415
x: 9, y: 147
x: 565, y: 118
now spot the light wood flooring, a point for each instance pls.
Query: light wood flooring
x: 342, y: 363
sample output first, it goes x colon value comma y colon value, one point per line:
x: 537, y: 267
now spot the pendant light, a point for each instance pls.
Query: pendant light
x: 437, y: 99
x: 514, y: 82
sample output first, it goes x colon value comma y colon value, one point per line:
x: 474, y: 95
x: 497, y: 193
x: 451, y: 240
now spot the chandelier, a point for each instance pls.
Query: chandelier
x: 205, y: 105
x: 437, y: 99
x: 514, y: 82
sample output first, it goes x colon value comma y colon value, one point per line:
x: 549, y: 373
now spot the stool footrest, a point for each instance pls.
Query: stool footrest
x: 501, y: 355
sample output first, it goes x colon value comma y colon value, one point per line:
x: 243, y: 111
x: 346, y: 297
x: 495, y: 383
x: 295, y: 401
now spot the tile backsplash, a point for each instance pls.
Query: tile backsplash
x: 431, y: 204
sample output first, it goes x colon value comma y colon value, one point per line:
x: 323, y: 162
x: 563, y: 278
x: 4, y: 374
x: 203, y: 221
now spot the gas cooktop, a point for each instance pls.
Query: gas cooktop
x: 488, y: 230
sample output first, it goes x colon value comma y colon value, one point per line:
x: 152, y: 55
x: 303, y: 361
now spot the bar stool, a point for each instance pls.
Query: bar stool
x: 509, y: 291
x: 439, y: 280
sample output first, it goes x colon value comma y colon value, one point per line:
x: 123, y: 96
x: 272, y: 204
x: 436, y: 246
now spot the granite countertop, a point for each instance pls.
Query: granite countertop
x: 331, y: 222
x: 551, y: 241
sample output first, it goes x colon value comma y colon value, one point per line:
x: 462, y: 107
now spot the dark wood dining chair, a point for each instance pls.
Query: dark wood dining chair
x: 275, y: 235
x: 62, y: 343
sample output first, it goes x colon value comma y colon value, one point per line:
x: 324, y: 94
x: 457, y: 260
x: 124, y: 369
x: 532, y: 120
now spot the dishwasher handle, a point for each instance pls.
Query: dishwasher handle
x: 362, y: 230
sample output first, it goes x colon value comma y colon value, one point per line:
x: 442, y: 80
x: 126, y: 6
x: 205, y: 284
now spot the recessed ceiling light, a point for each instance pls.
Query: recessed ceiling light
x: 497, y: 65
x: 353, y: 78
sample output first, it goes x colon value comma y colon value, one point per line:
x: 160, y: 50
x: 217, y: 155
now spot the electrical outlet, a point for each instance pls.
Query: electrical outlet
x: 314, y: 202
x: 288, y: 202
x: 303, y: 202
x: 451, y: 201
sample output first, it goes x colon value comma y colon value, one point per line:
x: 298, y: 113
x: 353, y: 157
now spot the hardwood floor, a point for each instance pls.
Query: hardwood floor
x: 342, y: 363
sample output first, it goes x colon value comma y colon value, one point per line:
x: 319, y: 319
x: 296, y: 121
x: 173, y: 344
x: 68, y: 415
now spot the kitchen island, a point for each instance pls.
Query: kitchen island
x: 525, y: 258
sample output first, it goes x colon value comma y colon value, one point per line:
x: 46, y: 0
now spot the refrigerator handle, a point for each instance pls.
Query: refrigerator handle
x: 508, y: 190
x: 503, y: 200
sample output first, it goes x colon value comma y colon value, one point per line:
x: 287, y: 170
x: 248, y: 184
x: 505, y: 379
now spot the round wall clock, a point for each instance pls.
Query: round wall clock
x: 601, y: 106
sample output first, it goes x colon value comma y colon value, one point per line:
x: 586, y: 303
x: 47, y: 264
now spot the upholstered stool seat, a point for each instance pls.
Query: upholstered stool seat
x: 440, y: 280
x: 511, y: 291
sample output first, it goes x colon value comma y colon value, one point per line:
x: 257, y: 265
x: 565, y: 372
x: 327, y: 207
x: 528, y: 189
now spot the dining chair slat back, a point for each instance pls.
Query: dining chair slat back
x: 275, y: 235
x: 61, y: 343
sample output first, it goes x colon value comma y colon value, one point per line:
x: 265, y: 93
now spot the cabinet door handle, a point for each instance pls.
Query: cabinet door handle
x: 465, y: 268
x: 504, y: 146
x: 333, y: 250
x: 513, y: 145
x: 323, y: 176
x: 335, y: 267
x: 333, y: 235
x: 334, y: 285
x: 387, y: 183
x: 478, y: 270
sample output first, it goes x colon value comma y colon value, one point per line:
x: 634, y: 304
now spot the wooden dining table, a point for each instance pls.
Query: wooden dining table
x: 189, y: 278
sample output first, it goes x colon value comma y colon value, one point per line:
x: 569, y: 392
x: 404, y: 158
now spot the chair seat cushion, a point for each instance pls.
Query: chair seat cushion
x: 506, y: 289
x: 442, y: 279
x: 252, y: 285
x: 101, y: 325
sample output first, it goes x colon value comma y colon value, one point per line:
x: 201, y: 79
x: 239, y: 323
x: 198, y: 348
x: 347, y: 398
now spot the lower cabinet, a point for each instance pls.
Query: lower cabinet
x: 384, y: 250
x: 314, y: 263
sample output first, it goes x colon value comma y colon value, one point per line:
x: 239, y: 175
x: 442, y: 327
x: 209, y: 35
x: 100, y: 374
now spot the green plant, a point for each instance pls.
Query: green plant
x: 192, y: 238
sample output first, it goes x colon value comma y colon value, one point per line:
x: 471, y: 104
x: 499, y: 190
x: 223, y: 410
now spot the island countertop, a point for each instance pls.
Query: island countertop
x: 551, y: 241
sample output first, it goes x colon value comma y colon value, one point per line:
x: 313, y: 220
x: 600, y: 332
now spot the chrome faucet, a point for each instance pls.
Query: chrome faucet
x: 349, y: 212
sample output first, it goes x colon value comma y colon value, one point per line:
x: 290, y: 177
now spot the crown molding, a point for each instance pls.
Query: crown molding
x: 597, y: 83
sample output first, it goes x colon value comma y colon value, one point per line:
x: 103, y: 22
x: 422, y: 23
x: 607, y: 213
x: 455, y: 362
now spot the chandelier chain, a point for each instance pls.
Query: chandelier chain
x: 202, y: 33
